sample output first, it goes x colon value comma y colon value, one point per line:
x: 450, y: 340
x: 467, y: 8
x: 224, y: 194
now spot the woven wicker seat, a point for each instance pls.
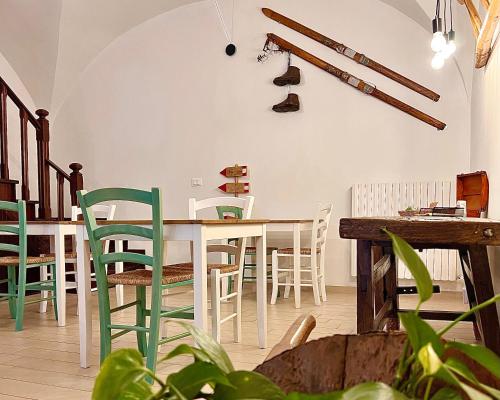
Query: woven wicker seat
x: 303, y: 251
x: 252, y: 250
x: 71, y: 255
x: 142, y: 277
x: 6, y: 261
x: 223, y: 268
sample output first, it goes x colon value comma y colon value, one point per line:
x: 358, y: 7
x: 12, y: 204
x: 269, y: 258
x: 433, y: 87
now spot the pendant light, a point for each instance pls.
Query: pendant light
x: 438, y: 42
x: 451, y: 46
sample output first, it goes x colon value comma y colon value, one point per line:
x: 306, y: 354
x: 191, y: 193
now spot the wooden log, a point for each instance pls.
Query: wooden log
x: 430, y: 233
x: 355, y: 82
x: 485, y: 38
x: 350, y: 53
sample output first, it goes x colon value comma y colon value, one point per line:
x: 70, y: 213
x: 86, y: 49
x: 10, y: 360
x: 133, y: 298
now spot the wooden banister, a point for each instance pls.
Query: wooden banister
x: 76, y: 182
x: 25, y: 186
x: 41, y: 125
x: 42, y: 145
x: 4, y: 154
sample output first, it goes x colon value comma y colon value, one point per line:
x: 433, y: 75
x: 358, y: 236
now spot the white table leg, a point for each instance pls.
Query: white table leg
x: 84, y: 297
x: 60, y: 275
x: 200, y: 277
x: 261, y: 280
x: 119, y: 269
x: 296, y: 264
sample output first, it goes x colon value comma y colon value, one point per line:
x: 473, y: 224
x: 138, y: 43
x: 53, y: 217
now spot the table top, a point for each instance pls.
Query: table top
x: 461, y: 231
x: 148, y: 222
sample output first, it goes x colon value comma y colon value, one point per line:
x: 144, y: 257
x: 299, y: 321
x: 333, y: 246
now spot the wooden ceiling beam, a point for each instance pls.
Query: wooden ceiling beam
x: 485, y: 38
x: 474, y: 17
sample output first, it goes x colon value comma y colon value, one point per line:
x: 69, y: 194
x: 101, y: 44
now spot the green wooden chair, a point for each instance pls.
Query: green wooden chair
x: 19, y: 265
x: 158, y: 278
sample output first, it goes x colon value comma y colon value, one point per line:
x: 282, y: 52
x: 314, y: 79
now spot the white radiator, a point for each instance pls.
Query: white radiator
x: 386, y: 199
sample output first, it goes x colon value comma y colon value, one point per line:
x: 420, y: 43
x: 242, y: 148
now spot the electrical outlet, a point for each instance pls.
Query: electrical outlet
x: 196, y: 182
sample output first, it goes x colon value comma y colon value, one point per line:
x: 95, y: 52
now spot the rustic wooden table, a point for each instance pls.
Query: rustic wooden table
x: 377, y: 287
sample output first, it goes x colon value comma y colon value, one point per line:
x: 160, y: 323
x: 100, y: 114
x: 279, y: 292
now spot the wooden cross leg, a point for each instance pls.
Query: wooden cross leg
x: 377, y: 294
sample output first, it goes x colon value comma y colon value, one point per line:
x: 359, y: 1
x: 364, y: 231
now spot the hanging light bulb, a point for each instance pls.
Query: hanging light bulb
x: 438, y: 41
x: 450, y: 47
x: 437, y: 61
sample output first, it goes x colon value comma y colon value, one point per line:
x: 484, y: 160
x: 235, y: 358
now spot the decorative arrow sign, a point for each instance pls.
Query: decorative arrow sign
x: 236, y: 171
x: 235, y: 188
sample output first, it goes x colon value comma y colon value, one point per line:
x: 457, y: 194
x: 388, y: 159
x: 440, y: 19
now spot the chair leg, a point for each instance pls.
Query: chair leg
x: 140, y: 318
x: 118, y: 270
x: 237, y: 308
x: 154, y: 326
x: 104, y: 322
x: 54, y: 291
x: 275, y: 277
x: 322, y: 272
x: 11, y: 275
x: 288, y: 282
x: 44, y: 293
x: 315, y: 282
x: 216, y: 292
x: 21, y: 293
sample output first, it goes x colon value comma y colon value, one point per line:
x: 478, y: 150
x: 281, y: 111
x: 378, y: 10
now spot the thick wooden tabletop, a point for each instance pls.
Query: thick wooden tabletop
x: 149, y: 222
x: 290, y: 221
x: 460, y: 231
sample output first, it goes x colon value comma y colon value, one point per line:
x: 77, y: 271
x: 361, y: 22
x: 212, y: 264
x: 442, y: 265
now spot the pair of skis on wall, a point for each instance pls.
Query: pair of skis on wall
x: 345, y: 76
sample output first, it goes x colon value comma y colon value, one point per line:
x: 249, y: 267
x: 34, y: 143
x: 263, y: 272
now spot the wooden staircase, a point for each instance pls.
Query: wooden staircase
x: 46, y: 168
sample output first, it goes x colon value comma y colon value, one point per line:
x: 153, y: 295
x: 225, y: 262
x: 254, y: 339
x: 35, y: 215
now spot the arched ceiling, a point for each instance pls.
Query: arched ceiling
x: 50, y: 43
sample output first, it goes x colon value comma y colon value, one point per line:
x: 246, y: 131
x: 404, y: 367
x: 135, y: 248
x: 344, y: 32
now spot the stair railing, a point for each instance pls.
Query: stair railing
x: 41, y: 125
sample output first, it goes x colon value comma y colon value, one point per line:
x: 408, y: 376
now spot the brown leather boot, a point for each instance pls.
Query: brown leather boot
x: 290, y: 104
x: 290, y: 77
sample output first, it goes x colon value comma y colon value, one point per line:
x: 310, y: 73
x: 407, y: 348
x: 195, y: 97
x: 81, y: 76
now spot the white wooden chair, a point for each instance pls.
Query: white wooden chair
x: 222, y: 272
x: 316, y: 256
x: 105, y: 212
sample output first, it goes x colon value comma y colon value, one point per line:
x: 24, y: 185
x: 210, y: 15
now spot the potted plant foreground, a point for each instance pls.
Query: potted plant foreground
x: 428, y: 367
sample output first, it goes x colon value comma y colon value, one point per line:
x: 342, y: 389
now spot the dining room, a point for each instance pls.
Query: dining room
x: 211, y: 198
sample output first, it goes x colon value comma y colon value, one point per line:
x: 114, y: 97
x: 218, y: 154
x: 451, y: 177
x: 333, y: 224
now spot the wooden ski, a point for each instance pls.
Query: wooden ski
x: 350, y: 53
x: 355, y: 82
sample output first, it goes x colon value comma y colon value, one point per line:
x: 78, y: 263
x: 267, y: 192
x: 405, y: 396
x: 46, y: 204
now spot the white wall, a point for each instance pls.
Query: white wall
x: 485, y: 139
x: 163, y: 103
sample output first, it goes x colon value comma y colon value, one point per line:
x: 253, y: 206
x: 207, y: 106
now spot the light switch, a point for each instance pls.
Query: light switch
x: 196, y: 182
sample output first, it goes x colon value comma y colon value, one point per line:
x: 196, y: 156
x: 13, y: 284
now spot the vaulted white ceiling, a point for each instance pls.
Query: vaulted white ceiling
x: 50, y: 43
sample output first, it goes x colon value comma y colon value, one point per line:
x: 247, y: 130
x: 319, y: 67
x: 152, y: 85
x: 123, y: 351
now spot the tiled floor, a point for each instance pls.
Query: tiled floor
x: 42, y: 362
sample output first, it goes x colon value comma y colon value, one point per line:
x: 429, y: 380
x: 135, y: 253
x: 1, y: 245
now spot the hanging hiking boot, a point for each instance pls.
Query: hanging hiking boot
x: 291, y: 103
x: 290, y: 77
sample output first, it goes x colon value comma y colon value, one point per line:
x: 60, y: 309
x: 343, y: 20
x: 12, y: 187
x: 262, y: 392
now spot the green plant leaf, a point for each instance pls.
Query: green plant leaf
x: 447, y: 394
x: 420, y: 332
x: 430, y: 361
x: 414, y: 263
x: 185, y: 349
x: 212, y: 349
x: 372, y: 391
x: 461, y: 369
x: 248, y: 385
x: 481, y: 354
x: 191, y: 379
x: 121, y: 377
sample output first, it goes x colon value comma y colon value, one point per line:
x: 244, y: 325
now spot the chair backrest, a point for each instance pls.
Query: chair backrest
x: 99, y: 233
x: 224, y: 206
x: 101, y: 211
x: 18, y: 207
x: 320, y: 227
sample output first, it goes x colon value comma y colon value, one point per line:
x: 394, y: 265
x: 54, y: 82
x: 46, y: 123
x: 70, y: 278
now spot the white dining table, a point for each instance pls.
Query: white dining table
x: 199, y: 232
x: 296, y: 227
x: 57, y: 232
